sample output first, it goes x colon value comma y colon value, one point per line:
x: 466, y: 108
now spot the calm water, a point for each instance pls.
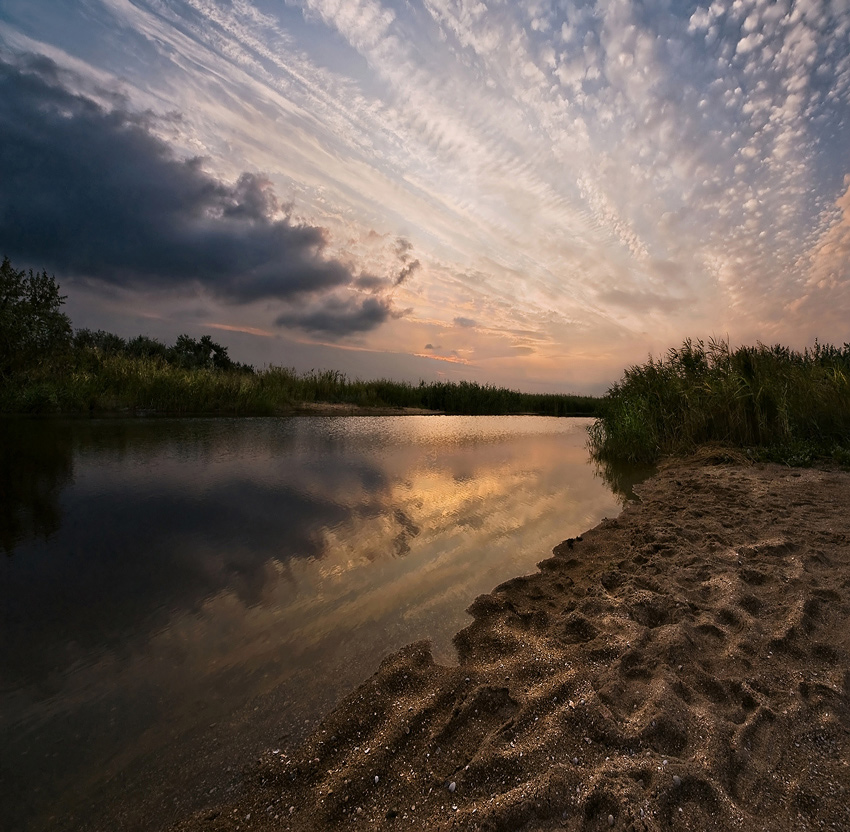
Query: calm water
x: 178, y: 595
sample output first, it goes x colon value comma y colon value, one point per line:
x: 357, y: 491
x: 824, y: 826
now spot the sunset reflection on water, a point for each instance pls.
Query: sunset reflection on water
x: 234, y: 578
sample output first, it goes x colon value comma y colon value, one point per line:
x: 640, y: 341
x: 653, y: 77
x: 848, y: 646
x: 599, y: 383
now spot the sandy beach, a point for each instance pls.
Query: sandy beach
x: 683, y: 666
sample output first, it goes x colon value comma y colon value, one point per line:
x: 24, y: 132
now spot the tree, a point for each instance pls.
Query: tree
x: 142, y: 346
x: 34, y: 332
x: 202, y: 354
x: 104, y: 342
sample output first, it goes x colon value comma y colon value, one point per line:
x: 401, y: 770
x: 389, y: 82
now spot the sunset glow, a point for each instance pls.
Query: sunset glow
x: 534, y: 194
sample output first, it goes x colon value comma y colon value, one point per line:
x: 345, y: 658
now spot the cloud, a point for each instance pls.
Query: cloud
x: 370, y: 282
x: 342, y: 316
x: 465, y: 322
x: 825, y: 298
x: 830, y: 268
x: 632, y: 175
x: 407, y: 271
x: 403, y: 247
x: 91, y: 192
x: 640, y: 301
x: 451, y: 358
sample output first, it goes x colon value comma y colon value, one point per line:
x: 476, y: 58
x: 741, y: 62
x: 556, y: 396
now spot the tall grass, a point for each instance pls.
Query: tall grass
x: 96, y: 380
x: 773, y: 401
x: 119, y: 383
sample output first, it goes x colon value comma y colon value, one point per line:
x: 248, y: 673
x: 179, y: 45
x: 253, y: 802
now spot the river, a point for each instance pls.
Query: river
x: 178, y: 595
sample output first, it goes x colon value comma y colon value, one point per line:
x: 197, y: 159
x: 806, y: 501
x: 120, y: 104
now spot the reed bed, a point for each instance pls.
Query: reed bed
x: 773, y: 402
x: 93, y: 380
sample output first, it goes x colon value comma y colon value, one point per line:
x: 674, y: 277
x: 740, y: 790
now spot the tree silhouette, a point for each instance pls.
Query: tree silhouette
x: 201, y: 354
x: 34, y: 333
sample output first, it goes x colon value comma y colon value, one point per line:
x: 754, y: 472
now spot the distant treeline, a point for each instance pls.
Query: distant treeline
x: 771, y: 403
x: 46, y: 367
x: 186, y: 353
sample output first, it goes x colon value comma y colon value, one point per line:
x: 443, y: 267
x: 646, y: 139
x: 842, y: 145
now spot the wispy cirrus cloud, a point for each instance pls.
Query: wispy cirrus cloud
x: 592, y: 173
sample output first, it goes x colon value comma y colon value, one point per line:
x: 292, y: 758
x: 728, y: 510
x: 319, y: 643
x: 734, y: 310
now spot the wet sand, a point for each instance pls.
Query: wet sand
x: 683, y: 666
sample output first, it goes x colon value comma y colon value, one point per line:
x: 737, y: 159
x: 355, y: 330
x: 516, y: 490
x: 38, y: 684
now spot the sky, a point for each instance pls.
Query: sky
x: 534, y: 193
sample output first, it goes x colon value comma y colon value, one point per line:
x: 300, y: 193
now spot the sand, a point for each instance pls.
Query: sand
x: 683, y: 666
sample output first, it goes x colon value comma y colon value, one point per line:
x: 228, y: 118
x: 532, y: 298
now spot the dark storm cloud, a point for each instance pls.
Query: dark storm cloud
x: 88, y: 191
x: 337, y: 317
x: 371, y: 282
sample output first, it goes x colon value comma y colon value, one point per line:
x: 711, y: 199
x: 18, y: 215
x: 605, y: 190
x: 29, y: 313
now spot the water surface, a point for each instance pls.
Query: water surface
x: 178, y: 595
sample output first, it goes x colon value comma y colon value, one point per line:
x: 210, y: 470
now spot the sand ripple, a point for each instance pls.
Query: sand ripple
x: 684, y: 666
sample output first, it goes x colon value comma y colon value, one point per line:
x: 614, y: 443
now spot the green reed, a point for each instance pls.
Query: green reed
x: 773, y: 402
x: 95, y: 380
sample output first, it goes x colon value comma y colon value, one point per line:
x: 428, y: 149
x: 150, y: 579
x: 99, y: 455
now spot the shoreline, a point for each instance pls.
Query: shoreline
x: 341, y: 409
x: 681, y: 666
x: 300, y: 409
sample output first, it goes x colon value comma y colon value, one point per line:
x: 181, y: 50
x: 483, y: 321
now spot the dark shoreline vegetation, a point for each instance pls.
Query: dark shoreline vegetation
x: 767, y: 403
x: 48, y: 369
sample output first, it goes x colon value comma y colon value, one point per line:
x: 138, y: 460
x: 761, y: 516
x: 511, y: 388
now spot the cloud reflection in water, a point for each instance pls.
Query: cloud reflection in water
x: 205, y: 568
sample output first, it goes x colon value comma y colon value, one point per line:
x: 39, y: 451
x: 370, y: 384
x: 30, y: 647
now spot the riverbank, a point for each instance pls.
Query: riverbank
x: 299, y: 409
x: 94, y: 383
x: 681, y: 666
x: 338, y: 409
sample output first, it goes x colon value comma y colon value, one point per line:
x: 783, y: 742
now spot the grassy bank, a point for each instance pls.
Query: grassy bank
x: 772, y: 402
x: 96, y: 381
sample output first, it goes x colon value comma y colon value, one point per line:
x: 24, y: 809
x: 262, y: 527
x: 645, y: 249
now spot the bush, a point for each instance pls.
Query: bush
x: 39, y: 400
